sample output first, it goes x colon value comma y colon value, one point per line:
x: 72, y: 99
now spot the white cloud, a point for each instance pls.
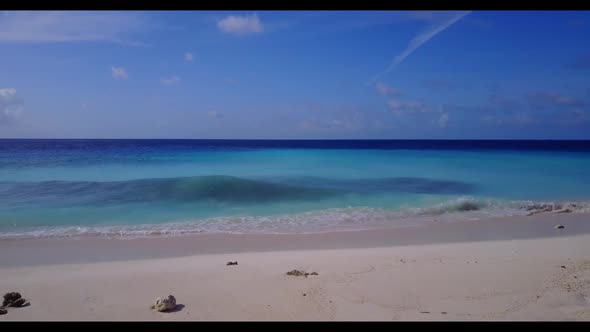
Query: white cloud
x: 422, y: 39
x: 385, y: 90
x: 170, y: 80
x: 443, y: 120
x: 71, y: 26
x: 119, y: 73
x: 188, y: 56
x: 241, y: 25
x: 10, y: 105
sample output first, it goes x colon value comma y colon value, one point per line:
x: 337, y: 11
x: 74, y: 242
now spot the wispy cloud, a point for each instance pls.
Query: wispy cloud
x: 345, y: 122
x: 504, y: 102
x: 188, y: 56
x: 241, y: 25
x: 548, y: 98
x: 385, y: 90
x: 170, y: 80
x: 334, y: 118
x: 10, y: 105
x: 421, y: 39
x: 66, y: 26
x: 398, y: 107
x: 523, y: 118
x: 119, y: 73
x: 443, y: 120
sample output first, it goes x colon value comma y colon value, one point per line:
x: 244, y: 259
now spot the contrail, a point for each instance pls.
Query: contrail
x: 420, y: 40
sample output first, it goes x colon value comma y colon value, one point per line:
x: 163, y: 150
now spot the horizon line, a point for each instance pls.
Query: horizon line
x: 307, y: 139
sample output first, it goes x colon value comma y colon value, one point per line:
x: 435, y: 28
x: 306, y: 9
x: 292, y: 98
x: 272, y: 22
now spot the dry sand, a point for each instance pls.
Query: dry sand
x: 541, y: 274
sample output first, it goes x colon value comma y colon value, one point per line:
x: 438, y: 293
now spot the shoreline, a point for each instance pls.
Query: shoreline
x: 49, y: 251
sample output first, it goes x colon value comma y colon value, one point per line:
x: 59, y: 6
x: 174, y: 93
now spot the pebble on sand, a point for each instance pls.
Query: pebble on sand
x: 164, y: 304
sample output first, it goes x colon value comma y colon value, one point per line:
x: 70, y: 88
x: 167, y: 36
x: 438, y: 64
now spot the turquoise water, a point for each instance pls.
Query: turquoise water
x: 91, y: 187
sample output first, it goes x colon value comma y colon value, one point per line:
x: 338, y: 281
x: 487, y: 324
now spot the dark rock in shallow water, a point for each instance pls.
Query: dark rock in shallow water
x: 559, y: 227
x: 3, y: 311
x: 232, y: 263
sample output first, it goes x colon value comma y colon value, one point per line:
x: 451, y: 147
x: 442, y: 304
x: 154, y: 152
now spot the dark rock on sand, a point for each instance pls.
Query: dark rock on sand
x: 298, y: 273
x: 14, y: 299
x: 3, y: 311
x: 17, y: 303
x: 232, y: 263
x: 10, y: 297
x: 559, y: 227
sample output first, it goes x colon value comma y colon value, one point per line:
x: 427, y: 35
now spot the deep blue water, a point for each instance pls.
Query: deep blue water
x: 56, y: 187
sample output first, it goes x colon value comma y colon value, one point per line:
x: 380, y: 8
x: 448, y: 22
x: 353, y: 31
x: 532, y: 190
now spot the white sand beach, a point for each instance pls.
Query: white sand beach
x: 518, y: 268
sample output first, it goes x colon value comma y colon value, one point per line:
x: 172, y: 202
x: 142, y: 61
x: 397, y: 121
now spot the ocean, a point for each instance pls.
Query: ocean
x: 130, y: 188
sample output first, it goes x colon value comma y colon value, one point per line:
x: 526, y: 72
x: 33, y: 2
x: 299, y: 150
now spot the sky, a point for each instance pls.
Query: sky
x: 295, y: 74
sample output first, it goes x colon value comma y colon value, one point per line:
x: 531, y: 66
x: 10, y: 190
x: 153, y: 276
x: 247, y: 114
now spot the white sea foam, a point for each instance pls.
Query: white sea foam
x: 338, y: 219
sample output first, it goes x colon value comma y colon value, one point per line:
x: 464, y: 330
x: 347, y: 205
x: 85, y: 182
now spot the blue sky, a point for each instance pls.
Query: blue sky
x: 272, y: 74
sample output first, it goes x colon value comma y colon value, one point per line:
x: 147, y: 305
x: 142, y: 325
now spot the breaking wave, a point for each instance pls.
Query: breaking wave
x: 339, y: 219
